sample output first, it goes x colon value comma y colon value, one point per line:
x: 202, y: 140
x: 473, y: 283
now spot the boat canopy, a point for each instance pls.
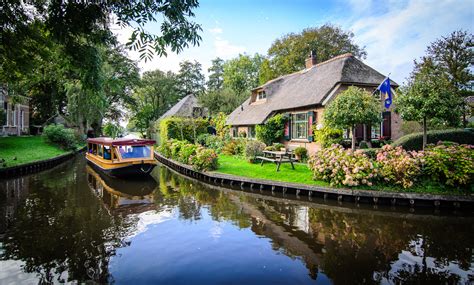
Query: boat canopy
x: 122, y: 141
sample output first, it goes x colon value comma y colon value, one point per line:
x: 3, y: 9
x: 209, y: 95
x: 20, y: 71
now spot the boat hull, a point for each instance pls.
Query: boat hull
x: 129, y: 171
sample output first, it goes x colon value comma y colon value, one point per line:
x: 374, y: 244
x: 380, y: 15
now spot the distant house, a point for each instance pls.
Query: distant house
x: 16, y: 112
x: 187, y: 107
x: 303, y: 95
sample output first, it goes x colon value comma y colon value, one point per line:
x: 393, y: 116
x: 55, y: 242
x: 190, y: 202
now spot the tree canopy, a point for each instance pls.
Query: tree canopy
x: 216, y: 74
x: 241, y: 74
x: 190, y: 78
x: 352, y: 107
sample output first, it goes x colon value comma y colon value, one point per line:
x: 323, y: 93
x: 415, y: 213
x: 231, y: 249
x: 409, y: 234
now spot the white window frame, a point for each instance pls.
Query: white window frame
x: 294, y: 123
x: 249, y: 132
x: 261, y: 95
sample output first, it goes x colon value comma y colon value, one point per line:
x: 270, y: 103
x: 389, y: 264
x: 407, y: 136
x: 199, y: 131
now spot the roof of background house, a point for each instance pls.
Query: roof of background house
x: 184, y: 108
x: 305, y: 88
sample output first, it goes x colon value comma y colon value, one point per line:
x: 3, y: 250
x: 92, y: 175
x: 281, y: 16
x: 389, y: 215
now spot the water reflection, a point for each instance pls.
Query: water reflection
x: 71, y: 223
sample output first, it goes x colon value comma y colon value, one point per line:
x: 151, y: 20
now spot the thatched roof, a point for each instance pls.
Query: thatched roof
x: 184, y: 108
x: 305, y: 88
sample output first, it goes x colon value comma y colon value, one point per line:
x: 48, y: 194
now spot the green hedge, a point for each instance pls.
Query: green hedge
x: 415, y: 141
x: 182, y: 128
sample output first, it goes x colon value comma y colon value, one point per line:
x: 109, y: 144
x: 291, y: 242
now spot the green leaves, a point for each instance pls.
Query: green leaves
x: 351, y: 107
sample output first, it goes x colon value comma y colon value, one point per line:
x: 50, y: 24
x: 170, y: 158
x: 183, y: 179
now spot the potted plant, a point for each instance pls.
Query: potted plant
x: 300, y: 153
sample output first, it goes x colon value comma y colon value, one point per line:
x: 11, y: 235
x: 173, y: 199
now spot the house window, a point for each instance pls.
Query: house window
x: 197, y: 112
x: 299, y: 126
x: 375, y: 131
x: 234, y: 132
x: 261, y: 95
x: 251, y: 132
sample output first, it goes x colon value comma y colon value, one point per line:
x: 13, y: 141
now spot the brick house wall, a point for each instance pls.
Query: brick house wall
x: 318, y: 111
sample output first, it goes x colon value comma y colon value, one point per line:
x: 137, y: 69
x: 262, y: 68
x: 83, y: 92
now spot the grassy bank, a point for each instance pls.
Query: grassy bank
x: 21, y: 150
x: 235, y: 165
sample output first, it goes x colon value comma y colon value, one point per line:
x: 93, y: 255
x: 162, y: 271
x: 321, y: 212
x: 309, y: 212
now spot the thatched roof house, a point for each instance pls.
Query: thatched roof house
x: 307, y: 92
x: 187, y: 107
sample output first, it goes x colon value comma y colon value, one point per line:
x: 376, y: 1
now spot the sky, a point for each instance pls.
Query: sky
x: 394, y: 33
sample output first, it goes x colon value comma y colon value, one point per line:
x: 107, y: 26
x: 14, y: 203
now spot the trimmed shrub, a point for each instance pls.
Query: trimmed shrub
x: 253, y: 149
x: 398, y: 166
x: 182, y: 128
x: 234, y: 147
x: 371, y: 152
x: 204, y: 159
x: 342, y: 167
x: 415, y: 141
x: 301, y: 152
x: 450, y: 164
x: 61, y: 136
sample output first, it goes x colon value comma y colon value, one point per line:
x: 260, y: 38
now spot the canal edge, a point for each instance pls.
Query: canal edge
x: 36, y: 166
x: 340, y: 194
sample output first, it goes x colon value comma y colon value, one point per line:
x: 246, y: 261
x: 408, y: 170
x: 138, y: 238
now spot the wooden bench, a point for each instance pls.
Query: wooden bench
x: 277, y: 157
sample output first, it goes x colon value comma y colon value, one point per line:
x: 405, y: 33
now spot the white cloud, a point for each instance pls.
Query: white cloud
x: 226, y: 50
x: 395, y: 38
x: 216, y: 31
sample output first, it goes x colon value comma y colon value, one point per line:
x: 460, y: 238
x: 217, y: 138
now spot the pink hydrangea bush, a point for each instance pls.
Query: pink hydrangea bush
x: 339, y: 166
x: 205, y: 159
x: 452, y: 164
x: 398, y: 166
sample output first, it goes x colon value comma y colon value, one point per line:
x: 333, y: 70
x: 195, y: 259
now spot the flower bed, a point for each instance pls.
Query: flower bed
x: 451, y: 165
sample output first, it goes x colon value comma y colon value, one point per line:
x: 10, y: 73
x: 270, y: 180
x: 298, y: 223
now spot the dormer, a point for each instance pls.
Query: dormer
x: 258, y: 96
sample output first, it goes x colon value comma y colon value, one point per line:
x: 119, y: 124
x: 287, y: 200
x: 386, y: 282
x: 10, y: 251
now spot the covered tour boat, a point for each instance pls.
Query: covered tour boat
x: 121, y: 157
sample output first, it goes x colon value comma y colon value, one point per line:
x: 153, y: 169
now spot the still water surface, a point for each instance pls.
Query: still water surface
x: 70, y: 224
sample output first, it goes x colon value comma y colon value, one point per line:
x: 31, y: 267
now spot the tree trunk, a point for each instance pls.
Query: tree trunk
x: 425, y: 135
x: 353, y: 146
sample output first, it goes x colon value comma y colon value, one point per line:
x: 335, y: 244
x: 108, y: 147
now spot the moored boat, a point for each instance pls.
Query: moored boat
x: 131, y: 158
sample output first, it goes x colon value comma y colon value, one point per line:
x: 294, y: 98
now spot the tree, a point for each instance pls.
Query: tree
x: 156, y: 92
x: 352, y: 107
x: 288, y: 54
x: 216, y: 74
x: 224, y: 100
x: 241, y: 74
x: 190, y: 78
x: 428, y: 95
x: 454, y: 55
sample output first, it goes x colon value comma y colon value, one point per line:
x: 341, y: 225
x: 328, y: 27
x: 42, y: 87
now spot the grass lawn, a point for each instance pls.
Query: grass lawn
x: 237, y: 166
x: 26, y: 149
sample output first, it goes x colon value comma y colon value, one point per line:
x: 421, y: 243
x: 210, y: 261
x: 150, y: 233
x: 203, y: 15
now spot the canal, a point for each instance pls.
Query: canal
x: 70, y: 224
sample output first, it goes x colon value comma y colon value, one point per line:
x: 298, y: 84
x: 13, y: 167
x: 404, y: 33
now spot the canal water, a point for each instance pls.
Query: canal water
x: 70, y: 224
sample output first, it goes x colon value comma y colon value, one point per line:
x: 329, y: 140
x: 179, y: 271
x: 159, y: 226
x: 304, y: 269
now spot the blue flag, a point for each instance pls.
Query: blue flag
x: 386, y: 91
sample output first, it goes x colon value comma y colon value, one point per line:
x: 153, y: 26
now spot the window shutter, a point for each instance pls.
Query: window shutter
x: 287, y: 130
x: 310, y: 125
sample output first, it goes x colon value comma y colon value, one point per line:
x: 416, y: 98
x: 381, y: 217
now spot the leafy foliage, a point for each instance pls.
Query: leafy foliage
x: 211, y: 141
x: 190, y: 78
x: 223, y: 100
x: 234, y: 147
x: 253, y: 148
x: 352, y: 107
x: 182, y: 128
x: 301, y: 152
x: 288, y: 54
x: 61, y: 136
x: 399, y: 166
x: 273, y: 129
x: 342, y: 167
x: 3, y: 117
x: 451, y: 164
x: 113, y: 130
x: 216, y: 74
x: 415, y: 141
x: 328, y: 136
x: 205, y: 159
x: 241, y: 73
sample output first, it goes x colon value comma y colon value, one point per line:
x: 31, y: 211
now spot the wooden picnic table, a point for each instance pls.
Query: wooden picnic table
x: 277, y: 157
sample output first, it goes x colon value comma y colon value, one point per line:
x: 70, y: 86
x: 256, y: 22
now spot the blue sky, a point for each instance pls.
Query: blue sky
x: 394, y: 33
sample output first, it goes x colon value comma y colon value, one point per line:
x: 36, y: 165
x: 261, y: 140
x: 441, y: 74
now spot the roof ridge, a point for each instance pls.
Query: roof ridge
x: 347, y: 54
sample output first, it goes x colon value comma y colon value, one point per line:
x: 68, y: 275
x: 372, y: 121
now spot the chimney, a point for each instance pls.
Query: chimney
x: 311, y: 60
